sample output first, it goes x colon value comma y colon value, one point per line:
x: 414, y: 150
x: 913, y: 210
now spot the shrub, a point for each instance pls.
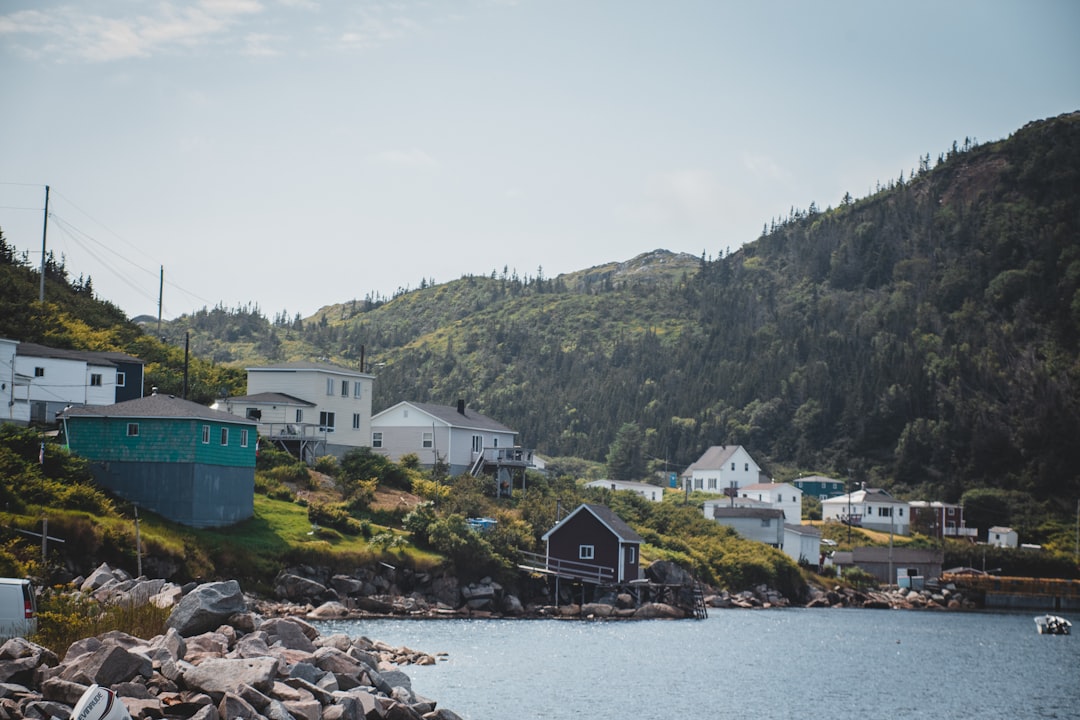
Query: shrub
x: 327, y: 465
x: 334, y: 515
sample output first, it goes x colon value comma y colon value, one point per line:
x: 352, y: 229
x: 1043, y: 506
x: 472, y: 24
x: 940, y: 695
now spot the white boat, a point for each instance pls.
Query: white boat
x: 1052, y: 625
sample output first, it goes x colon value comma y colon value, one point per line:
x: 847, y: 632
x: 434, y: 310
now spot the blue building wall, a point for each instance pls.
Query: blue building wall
x: 192, y: 494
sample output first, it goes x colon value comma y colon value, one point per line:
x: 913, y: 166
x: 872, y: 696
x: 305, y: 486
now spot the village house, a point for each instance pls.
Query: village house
x: 802, y: 543
x: 653, y: 493
x: 184, y: 461
x: 939, y: 519
x: 819, y: 486
x: 721, y: 468
x: 40, y: 381
x: 763, y: 524
x: 778, y: 495
x: 465, y: 440
x: 1000, y: 536
x: 307, y: 408
x: 892, y: 566
x: 870, y: 508
x: 595, y: 544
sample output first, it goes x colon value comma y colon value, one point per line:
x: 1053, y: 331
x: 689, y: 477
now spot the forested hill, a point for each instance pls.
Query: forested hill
x: 924, y: 338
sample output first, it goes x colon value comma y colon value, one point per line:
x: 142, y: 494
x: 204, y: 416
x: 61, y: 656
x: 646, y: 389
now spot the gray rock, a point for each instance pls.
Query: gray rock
x: 216, y: 677
x: 276, y: 710
x: 106, y: 666
x: 289, y: 632
x: 304, y: 709
x: 63, y: 691
x: 293, y: 587
x: 206, y: 607
x: 235, y: 707
x: 45, y: 710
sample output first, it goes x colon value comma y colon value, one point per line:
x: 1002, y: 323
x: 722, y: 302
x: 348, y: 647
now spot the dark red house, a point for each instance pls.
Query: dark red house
x: 594, y: 544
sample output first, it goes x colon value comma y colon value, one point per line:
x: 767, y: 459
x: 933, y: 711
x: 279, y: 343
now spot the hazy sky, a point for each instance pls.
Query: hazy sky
x: 298, y: 153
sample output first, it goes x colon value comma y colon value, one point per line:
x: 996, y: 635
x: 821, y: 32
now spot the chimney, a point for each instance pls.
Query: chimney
x: 461, y: 406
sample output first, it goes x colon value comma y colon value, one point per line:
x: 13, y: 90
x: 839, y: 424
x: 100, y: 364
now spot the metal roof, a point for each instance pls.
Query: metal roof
x: 156, y: 406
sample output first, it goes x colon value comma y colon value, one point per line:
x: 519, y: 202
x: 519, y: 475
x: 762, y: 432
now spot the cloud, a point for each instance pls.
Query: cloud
x: 685, y: 198
x: 372, y: 27
x: 764, y: 167
x: 69, y: 33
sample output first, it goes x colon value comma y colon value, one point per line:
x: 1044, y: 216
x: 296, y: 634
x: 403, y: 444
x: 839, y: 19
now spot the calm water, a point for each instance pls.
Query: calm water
x: 794, y: 663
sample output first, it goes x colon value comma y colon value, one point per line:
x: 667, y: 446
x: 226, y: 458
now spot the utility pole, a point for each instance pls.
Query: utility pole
x: 160, y: 292
x: 44, y: 233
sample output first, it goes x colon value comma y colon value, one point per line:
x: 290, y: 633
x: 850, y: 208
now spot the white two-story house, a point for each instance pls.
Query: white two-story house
x: 871, y: 508
x: 308, y: 408
x: 42, y: 381
x: 721, y: 468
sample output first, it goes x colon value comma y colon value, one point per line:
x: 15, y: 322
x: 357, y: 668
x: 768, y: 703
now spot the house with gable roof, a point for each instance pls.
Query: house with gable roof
x: 464, y: 439
x: 308, y: 408
x: 184, y: 461
x: 56, y: 378
x: 720, y: 468
x: 871, y: 508
x: 593, y: 543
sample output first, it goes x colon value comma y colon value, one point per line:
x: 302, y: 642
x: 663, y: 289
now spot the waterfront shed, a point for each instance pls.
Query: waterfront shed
x: 597, y: 542
x: 184, y: 461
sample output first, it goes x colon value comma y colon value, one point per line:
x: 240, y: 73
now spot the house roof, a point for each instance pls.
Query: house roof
x: 469, y: 418
x: 721, y: 512
x: 156, y: 406
x: 268, y: 398
x: 768, y: 486
x: 298, y: 365
x: 715, y: 458
x: 622, y: 485
x: 799, y: 528
x: 93, y: 357
x: 869, y: 495
x: 1001, y: 530
x: 607, y: 517
x: 818, y: 479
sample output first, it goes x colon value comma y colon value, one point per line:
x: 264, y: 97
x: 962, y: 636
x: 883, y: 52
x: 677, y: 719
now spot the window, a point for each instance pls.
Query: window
x: 299, y: 415
x: 356, y: 421
x: 631, y: 554
x: 477, y: 443
x: 746, y: 467
x: 376, y: 439
x: 121, y: 379
x: 205, y: 434
x: 243, y: 438
x: 901, y: 512
x: 356, y: 389
x: 586, y: 552
x: 766, y: 522
x: 133, y: 430
x: 253, y: 414
x: 329, y: 386
x: 428, y: 440
x: 344, y: 388
x: 697, y: 483
x: 495, y: 442
x: 224, y: 436
x: 95, y: 379
x: 39, y: 372
x: 326, y: 421
x: 712, y: 483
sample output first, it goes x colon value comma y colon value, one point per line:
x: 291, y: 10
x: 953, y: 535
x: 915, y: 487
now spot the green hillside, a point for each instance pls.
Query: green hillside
x: 923, y: 338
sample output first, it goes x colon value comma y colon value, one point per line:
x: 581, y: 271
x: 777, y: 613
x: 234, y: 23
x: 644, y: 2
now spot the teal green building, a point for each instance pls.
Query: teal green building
x: 184, y: 461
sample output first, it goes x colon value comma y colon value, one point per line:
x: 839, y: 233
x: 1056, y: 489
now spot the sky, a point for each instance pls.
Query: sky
x: 292, y: 154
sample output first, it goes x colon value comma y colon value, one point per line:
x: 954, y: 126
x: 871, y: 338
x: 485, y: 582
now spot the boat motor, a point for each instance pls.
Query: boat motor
x: 99, y: 703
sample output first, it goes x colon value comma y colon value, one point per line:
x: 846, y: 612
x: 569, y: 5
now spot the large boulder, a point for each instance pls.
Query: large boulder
x: 665, y: 572
x: 206, y: 607
x: 216, y: 677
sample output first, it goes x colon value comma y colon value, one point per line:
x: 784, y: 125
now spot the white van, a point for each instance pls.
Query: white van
x: 18, y: 608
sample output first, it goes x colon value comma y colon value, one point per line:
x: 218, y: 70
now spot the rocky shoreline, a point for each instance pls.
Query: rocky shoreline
x: 218, y: 660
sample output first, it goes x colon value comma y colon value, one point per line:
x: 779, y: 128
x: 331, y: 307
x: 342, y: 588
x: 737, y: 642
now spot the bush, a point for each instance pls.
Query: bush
x: 327, y: 465
x: 334, y: 515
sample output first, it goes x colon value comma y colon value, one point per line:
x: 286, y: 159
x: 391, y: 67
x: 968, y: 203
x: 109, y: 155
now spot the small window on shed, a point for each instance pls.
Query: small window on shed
x: 586, y: 552
x: 133, y: 429
x: 243, y: 438
x: 205, y: 434
x: 224, y: 436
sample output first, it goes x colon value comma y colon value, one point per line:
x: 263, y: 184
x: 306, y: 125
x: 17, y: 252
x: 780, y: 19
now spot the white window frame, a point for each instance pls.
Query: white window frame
x: 329, y: 386
x: 586, y: 552
x: 356, y: 421
x: 121, y: 379
x: 631, y: 554
x: 243, y: 437
x: 477, y: 443
x: 95, y: 379
x: 299, y: 415
x: 224, y: 436
x: 344, y: 388
x: 133, y: 429
x: 356, y: 388
x: 376, y: 439
x: 206, y: 434
x: 427, y: 440
x: 327, y: 421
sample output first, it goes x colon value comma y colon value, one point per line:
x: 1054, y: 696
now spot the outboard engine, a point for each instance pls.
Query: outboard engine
x: 99, y: 703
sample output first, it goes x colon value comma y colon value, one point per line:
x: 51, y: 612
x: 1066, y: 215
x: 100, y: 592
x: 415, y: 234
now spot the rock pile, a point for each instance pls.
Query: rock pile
x: 218, y: 660
x: 946, y: 598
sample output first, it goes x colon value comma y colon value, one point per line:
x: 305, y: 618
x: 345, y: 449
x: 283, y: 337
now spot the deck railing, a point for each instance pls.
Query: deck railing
x: 599, y: 574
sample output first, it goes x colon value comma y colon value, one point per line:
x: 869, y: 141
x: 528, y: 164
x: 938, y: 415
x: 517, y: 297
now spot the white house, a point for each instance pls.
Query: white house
x: 57, y: 378
x: 464, y: 439
x: 720, y: 468
x: 802, y: 543
x: 14, y: 386
x: 778, y: 495
x: 655, y: 493
x: 870, y: 508
x: 762, y: 524
x: 309, y: 408
x: 1002, y: 537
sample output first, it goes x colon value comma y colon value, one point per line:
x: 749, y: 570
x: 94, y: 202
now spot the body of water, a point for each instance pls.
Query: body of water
x: 793, y: 663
